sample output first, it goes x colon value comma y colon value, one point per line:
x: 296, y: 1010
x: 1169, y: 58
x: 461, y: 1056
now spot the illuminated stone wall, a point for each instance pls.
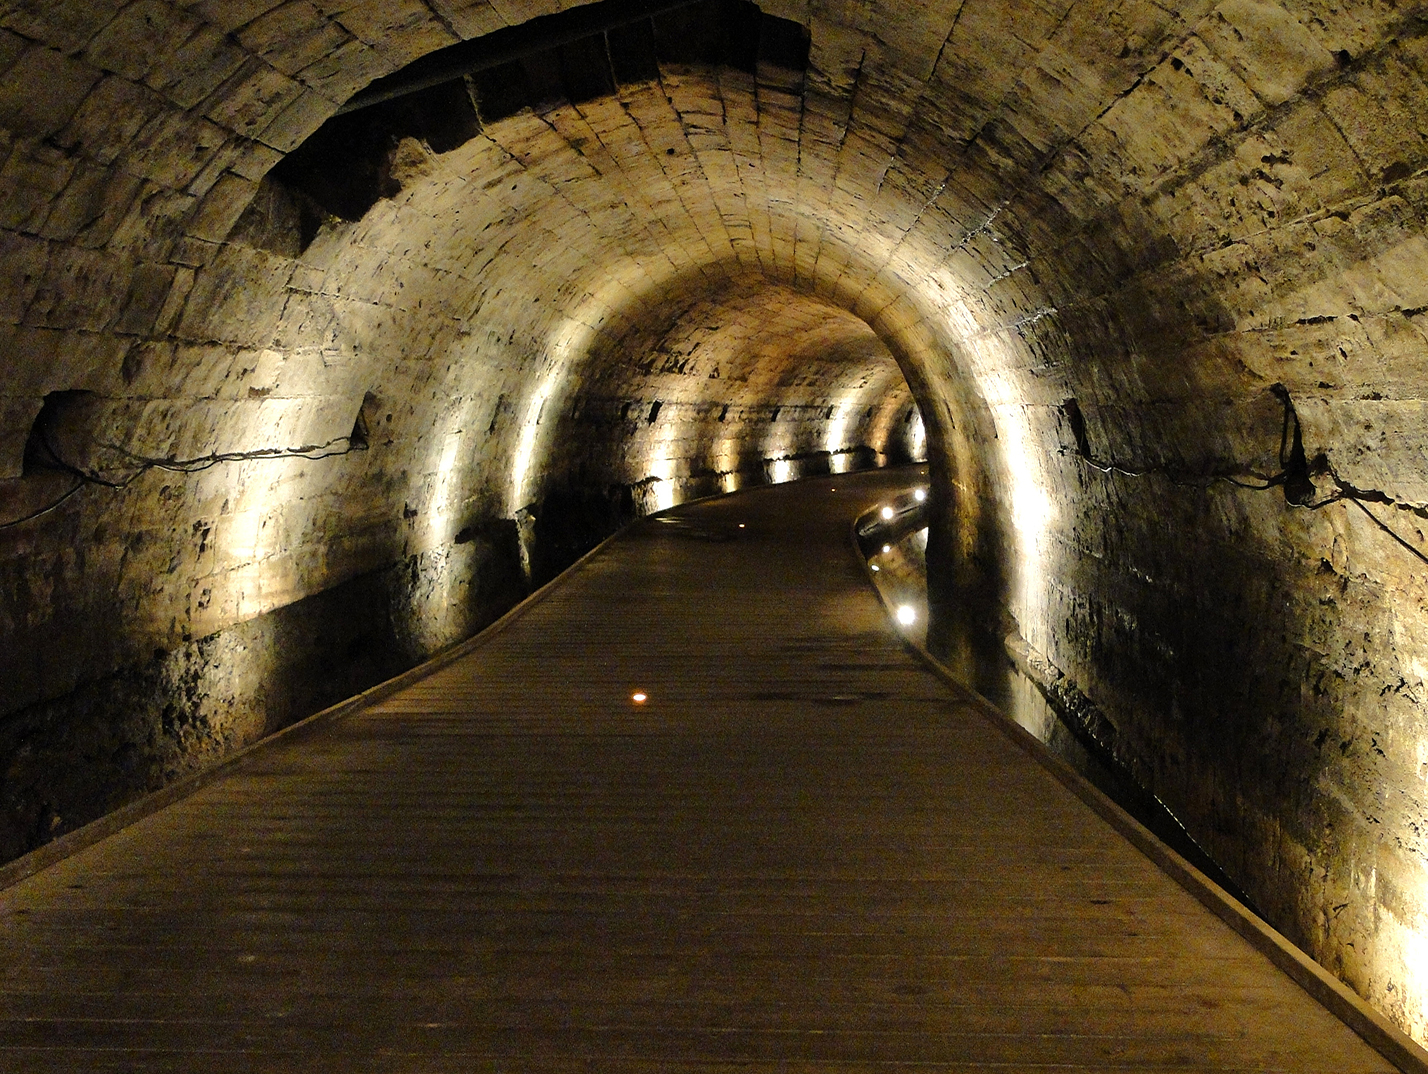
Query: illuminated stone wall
x: 1121, y: 254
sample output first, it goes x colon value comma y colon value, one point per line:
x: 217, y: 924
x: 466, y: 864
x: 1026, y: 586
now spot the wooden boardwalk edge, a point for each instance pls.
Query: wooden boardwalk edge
x: 71, y: 843
x: 1331, y: 993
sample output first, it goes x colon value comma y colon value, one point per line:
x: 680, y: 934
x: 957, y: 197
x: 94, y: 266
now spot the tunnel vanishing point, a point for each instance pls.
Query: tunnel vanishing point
x: 330, y: 327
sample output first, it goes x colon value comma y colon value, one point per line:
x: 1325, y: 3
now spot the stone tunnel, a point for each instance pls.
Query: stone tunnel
x: 332, y: 327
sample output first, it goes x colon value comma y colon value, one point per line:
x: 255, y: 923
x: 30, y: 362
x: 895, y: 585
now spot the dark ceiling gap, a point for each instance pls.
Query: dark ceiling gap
x: 619, y: 38
x: 511, y: 45
x: 444, y: 99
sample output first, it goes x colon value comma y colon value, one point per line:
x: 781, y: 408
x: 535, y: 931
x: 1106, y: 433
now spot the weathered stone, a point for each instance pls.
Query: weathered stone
x: 193, y: 70
x: 64, y: 27
x: 220, y: 208
x: 293, y: 36
x: 1195, y: 230
x: 42, y: 91
x: 139, y: 35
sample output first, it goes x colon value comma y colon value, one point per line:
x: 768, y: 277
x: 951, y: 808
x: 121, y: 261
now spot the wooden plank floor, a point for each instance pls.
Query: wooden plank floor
x: 803, y: 853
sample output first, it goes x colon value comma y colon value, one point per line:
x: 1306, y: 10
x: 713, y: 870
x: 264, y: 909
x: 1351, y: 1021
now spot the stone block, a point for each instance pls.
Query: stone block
x: 195, y: 252
x: 149, y: 290
x: 48, y: 360
x: 42, y: 92
x: 405, y: 28
x: 469, y: 18
x: 174, y: 301
x: 174, y: 148
x: 141, y: 33
x: 253, y: 160
x: 110, y: 119
x: 1371, y: 109
x: 153, y: 224
x: 24, y: 262
x: 31, y: 180
x: 67, y: 27
x: 93, y: 206
x: 232, y: 15
x: 515, y: 12
x: 191, y: 72
x: 292, y: 126
x: 17, y: 415
x: 237, y: 290
x: 216, y: 166
x: 293, y: 36
x: 1374, y: 445
x: 1275, y: 53
x: 246, y: 103
x: 82, y: 290
x: 344, y: 71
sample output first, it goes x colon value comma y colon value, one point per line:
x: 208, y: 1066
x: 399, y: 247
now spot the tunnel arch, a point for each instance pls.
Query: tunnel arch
x: 1195, y: 230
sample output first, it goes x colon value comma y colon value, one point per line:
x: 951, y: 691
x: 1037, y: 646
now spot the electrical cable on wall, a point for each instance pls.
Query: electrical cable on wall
x: 143, y: 464
x: 79, y: 484
x: 1295, y: 475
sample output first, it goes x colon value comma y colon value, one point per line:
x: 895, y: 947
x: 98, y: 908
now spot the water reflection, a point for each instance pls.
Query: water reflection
x: 982, y: 649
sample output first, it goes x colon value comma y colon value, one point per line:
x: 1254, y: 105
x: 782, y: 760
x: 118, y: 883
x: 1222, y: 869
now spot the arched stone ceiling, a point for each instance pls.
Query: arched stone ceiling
x: 1156, y: 279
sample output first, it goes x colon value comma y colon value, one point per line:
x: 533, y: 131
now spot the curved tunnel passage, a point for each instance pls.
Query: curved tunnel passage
x: 674, y: 851
x: 1155, y: 280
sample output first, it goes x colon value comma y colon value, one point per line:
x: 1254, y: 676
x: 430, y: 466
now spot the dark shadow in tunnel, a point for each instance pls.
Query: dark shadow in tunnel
x: 1182, y: 698
x: 1003, y: 672
x: 1216, y: 706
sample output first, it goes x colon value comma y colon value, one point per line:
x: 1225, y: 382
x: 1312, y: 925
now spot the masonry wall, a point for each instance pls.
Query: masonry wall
x: 1155, y: 279
x: 330, y: 453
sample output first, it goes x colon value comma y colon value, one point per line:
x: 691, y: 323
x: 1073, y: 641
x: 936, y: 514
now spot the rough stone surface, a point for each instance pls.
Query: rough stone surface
x: 1203, y: 226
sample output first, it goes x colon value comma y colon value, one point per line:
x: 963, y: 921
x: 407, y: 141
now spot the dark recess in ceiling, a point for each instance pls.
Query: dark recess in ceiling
x: 444, y: 98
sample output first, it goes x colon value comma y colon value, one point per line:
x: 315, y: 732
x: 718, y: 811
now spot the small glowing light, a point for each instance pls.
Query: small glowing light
x: 887, y: 512
x: 875, y: 567
x: 741, y: 525
x: 663, y: 494
x: 639, y: 697
x: 920, y: 495
x: 886, y: 549
x: 906, y: 615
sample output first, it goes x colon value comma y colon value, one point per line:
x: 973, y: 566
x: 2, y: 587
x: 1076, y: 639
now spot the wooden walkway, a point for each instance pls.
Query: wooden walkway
x: 804, y: 852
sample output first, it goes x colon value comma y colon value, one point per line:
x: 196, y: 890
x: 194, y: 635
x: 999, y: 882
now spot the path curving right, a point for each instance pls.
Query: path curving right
x: 803, y: 852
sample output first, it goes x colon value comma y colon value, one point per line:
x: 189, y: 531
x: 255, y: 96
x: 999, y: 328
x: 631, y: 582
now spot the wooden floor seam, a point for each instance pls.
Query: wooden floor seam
x: 803, y: 850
